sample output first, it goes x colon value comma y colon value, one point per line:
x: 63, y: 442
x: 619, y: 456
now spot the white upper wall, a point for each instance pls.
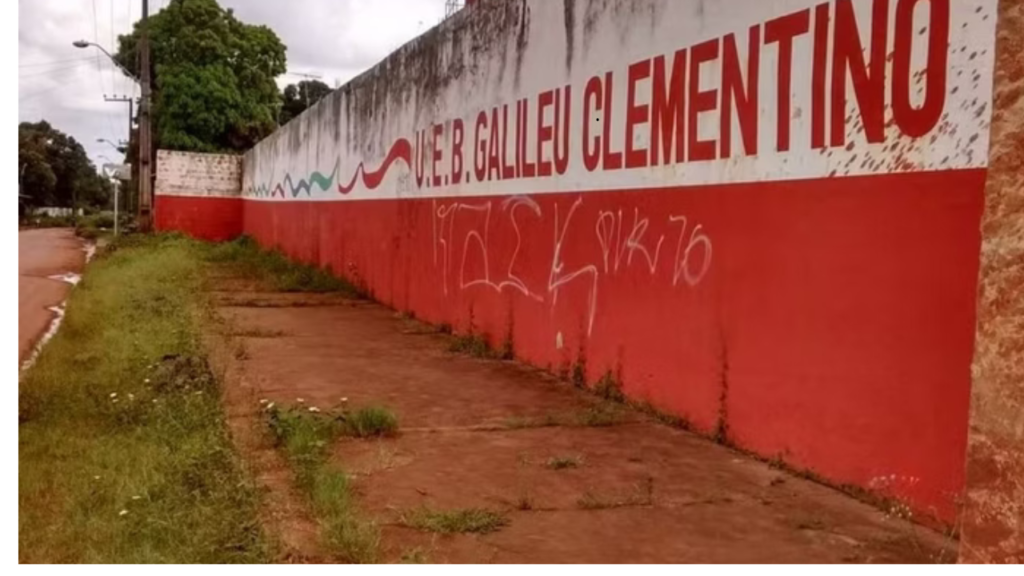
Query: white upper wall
x: 913, y: 79
x: 193, y: 174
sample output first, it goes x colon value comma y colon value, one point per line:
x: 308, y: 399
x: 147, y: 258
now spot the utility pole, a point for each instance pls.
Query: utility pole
x: 145, y: 128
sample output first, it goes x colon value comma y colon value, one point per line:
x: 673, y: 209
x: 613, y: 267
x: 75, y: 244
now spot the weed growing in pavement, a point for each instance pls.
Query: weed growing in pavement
x: 473, y: 345
x: 305, y: 437
x: 579, y: 373
x: 272, y: 266
x: 663, y: 417
x: 564, y: 462
x: 600, y: 416
x: 461, y: 521
x: 369, y: 422
x: 609, y: 388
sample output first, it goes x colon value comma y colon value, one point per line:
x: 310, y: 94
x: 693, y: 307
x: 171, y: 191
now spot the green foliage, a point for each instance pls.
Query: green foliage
x: 463, y: 521
x: 474, y: 345
x: 298, y: 97
x: 273, y: 267
x: 305, y: 438
x: 609, y: 388
x: 369, y: 422
x: 123, y: 450
x: 55, y: 171
x: 601, y: 415
x: 214, y: 87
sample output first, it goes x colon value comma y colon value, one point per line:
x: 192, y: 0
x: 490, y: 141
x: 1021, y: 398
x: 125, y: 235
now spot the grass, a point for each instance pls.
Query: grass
x: 305, y: 438
x: 609, y: 389
x: 473, y: 345
x: 600, y: 416
x: 461, y: 521
x: 564, y: 462
x: 370, y: 422
x: 124, y: 455
x: 246, y: 257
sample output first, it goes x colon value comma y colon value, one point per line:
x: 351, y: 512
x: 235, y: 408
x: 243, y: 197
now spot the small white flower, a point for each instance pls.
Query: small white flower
x: 113, y: 394
x: 136, y: 497
x: 263, y: 401
x: 343, y: 400
x: 300, y: 400
x: 95, y: 477
x: 314, y: 409
x: 131, y: 396
x: 146, y: 380
x: 269, y: 406
x: 122, y: 513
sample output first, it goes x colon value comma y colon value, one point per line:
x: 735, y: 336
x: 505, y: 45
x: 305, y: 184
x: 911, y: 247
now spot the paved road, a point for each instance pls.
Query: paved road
x: 43, y: 253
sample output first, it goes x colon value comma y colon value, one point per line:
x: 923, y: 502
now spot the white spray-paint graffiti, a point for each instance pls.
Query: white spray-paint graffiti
x: 617, y: 250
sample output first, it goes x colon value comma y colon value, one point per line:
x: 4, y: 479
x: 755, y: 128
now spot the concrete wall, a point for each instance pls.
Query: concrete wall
x: 762, y: 217
x: 199, y: 194
x: 993, y: 527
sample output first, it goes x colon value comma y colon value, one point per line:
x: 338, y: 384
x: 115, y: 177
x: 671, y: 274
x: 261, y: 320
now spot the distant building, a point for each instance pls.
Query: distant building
x: 55, y: 211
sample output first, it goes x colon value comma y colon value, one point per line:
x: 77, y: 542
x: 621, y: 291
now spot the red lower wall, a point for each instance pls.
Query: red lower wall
x: 205, y: 217
x: 833, y: 327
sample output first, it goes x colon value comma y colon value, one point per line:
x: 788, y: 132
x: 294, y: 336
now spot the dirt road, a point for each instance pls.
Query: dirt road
x: 491, y: 434
x: 42, y: 254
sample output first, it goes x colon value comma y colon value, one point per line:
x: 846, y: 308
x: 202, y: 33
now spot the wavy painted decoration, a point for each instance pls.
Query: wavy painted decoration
x: 400, y: 150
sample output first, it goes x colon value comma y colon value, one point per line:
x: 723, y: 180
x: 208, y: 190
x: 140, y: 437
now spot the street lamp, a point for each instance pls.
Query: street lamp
x: 86, y: 44
x: 116, y: 147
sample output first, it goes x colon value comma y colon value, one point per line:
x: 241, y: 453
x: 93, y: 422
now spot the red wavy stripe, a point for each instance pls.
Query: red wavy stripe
x: 400, y: 150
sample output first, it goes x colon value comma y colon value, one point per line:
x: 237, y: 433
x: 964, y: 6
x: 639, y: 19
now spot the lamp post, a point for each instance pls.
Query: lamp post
x: 145, y: 142
x: 86, y: 44
x: 115, y: 146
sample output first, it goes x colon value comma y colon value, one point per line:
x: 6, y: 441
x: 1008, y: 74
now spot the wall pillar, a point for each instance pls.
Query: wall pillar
x: 993, y: 520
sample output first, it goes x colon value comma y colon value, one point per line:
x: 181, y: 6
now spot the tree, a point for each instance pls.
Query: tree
x: 213, y: 77
x: 56, y: 170
x: 298, y: 97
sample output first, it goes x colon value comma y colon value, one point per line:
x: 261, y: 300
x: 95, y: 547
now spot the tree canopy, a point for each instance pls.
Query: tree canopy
x: 213, y: 77
x: 298, y: 97
x: 55, y: 171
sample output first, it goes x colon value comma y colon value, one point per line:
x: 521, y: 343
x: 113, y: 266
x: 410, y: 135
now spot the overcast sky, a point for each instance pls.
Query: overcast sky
x: 65, y: 85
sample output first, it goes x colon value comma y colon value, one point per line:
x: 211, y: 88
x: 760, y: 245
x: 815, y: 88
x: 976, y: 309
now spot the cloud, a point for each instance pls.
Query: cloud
x: 335, y: 39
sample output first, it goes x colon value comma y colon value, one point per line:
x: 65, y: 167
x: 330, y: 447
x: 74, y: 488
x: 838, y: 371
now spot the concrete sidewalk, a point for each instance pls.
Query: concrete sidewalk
x: 582, y: 482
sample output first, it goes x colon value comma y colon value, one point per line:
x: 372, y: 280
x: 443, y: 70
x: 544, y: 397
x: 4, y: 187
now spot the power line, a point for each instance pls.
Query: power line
x: 95, y: 34
x: 32, y: 95
x: 52, y: 71
x: 52, y: 62
x: 110, y: 3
